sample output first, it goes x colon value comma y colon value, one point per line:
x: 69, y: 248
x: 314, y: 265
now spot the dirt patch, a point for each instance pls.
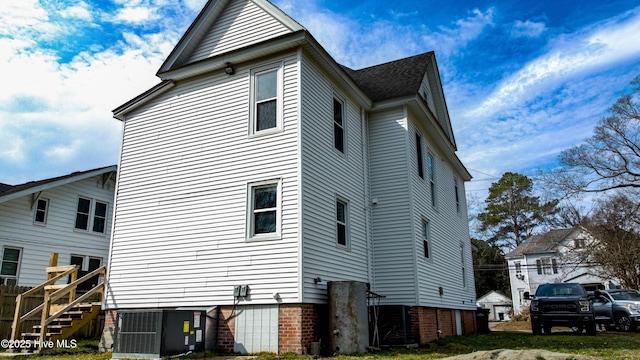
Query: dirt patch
x: 504, y: 354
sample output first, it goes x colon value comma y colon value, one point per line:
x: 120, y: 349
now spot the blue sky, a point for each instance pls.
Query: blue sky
x: 523, y: 80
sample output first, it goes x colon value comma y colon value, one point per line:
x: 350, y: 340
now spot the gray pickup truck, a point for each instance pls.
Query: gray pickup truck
x: 561, y: 304
x: 617, y: 308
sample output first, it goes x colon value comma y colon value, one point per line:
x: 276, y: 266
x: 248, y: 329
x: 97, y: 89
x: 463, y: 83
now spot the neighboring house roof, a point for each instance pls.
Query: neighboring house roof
x: 540, y: 244
x: 500, y: 294
x: 10, y: 192
x: 393, y: 79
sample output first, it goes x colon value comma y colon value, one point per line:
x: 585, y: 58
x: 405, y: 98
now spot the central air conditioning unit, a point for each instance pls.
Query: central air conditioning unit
x: 154, y: 334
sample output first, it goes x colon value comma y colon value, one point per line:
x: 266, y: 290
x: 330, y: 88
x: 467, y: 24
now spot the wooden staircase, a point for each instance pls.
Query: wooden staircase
x: 64, y: 310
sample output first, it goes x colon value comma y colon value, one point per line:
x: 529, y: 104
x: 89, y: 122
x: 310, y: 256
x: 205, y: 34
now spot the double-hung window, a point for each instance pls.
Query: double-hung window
x: 426, y: 239
x: 40, y: 216
x: 10, y: 265
x: 547, y: 266
x: 456, y: 191
x: 342, y: 231
x: 266, y: 99
x: 338, y: 125
x: 432, y: 178
x: 419, y: 155
x: 263, y: 220
x: 91, y: 215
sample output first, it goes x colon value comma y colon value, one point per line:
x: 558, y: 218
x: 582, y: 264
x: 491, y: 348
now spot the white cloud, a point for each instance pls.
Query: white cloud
x: 452, y: 40
x: 527, y: 28
x: 134, y: 15
x: 79, y: 11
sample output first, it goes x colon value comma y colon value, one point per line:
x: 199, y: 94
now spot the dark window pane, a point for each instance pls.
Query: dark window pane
x: 9, y: 268
x: 84, y: 205
x: 82, y: 221
x: 337, y: 111
x: 101, y: 209
x: 265, y: 222
x: 267, y: 86
x: 426, y: 249
x: 42, y: 205
x: 40, y: 216
x: 98, y: 224
x: 266, y: 115
x: 265, y: 198
x: 94, y: 263
x: 342, y: 234
x: 76, y: 260
x: 338, y: 139
x: 340, y: 212
x: 419, y: 155
x: 11, y: 255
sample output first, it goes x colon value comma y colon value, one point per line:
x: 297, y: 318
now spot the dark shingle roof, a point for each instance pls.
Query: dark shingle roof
x: 6, y: 189
x: 393, y: 79
x: 543, y: 243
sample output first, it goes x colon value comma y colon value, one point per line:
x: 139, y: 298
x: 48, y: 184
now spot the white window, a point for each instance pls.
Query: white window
x: 464, y: 270
x: 432, y: 178
x: 10, y: 265
x: 263, y: 220
x: 457, y: 193
x: 342, y: 228
x: 40, y: 216
x: 91, y: 215
x: 338, y: 125
x: 266, y: 100
x: 518, y: 269
x: 426, y: 243
x: 547, y: 266
x: 86, y: 263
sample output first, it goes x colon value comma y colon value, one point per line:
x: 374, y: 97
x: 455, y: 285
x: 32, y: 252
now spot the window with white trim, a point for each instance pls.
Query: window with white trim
x: 264, y: 210
x: 464, y: 270
x: 456, y: 191
x: 11, y: 257
x: 91, y: 215
x: 342, y: 229
x: 432, y: 178
x: 266, y: 99
x: 42, y: 208
x: 419, y: 156
x: 426, y: 237
x: 547, y: 266
x: 338, y: 124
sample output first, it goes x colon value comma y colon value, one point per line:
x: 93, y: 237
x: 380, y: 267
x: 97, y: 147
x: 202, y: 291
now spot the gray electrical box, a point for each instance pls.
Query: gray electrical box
x: 240, y: 290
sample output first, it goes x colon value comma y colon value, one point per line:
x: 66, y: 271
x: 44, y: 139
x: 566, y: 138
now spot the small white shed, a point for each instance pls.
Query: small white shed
x: 499, y: 305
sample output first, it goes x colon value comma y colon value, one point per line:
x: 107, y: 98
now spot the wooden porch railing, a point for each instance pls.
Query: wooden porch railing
x: 52, y: 293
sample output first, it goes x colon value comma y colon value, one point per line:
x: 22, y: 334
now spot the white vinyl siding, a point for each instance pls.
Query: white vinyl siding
x: 182, y: 199
x: 241, y: 24
x: 446, y: 229
x: 38, y: 242
x: 392, y: 162
x: 329, y: 175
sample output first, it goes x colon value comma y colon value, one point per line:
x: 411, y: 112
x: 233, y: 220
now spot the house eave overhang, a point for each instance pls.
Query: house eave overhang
x: 53, y: 184
x: 418, y: 106
x: 121, y: 111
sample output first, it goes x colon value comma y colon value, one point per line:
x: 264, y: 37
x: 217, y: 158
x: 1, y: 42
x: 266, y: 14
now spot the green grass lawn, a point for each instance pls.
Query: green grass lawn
x: 607, y: 345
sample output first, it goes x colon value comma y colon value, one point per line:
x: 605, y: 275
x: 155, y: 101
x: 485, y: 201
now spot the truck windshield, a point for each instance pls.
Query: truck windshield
x: 626, y: 295
x: 560, y: 290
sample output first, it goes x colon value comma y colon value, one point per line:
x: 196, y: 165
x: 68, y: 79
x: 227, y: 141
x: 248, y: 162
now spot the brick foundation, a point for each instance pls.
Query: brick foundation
x: 427, y: 321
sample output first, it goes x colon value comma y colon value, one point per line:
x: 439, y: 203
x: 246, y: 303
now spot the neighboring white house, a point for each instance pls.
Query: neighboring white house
x: 259, y: 169
x: 552, y: 257
x: 69, y: 215
x: 499, y: 305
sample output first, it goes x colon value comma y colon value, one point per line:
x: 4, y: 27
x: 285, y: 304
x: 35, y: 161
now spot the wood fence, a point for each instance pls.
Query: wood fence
x: 8, y: 295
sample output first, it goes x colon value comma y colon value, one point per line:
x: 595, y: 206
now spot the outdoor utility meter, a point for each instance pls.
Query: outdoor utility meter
x: 240, y: 290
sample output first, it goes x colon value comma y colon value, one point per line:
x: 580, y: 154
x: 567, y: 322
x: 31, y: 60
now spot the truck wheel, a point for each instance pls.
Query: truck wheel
x: 536, y: 327
x: 591, y: 329
x: 624, y: 323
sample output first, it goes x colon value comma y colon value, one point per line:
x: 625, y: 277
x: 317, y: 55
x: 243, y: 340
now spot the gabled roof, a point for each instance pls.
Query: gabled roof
x: 10, y: 192
x: 394, y: 79
x: 543, y: 243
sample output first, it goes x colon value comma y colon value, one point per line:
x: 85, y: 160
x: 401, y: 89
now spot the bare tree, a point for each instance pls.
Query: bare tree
x: 610, y: 158
x: 616, y: 226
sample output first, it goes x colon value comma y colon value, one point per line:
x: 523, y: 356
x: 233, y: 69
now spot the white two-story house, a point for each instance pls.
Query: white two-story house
x: 555, y: 256
x: 259, y: 169
x: 69, y: 215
